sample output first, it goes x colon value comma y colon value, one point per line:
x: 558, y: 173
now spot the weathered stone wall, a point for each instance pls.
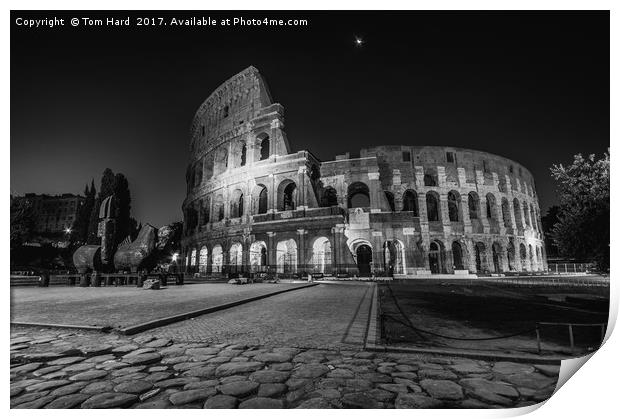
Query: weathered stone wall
x: 254, y: 205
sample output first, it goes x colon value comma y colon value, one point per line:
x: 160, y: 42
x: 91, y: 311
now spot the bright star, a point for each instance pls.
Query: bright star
x: 358, y: 41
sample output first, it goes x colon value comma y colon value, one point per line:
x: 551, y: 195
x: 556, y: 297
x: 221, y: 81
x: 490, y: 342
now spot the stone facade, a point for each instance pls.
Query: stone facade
x: 253, y: 205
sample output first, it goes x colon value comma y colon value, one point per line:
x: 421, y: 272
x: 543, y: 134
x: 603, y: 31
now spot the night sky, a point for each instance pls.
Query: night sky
x: 530, y: 87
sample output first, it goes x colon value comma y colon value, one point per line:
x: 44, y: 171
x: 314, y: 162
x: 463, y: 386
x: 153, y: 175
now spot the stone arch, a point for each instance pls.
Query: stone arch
x: 264, y: 146
x: 491, y: 206
x: 510, y: 253
x: 457, y: 256
x: 473, y: 203
x: 523, y: 254
x: 192, y: 258
x: 218, y: 207
x: 496, y: 250
x: 437, y: 257
x: 321, y: 255
x: 506, y: 213
x: 481, y: 257
x: 329, y: 197
x: 236, y: 204
x: 526, y: 214
x: 258, y: 256
x: 220, y: 162
x: 410, y: 202
x: 260, y: 199
x: 394, y: 261
x: 235, y: 257
x: 389, y: 196
x: 287, y: 195
x: 286, y: 256
x: 203, y: 260
x: 454, y: 206
x: 432, y: 206
x: 217, y: 259
x: 517, y: 211
x: 358, y: 195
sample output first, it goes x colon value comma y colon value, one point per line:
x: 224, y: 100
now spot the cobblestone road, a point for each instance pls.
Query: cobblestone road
x: 325, y: 316
x: 60, y: 369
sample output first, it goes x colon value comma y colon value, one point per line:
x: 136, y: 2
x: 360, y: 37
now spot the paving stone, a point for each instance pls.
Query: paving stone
x: 532, y: 380
x: 549, y: 370
x: 358, y: 383
x: 47, y: 370
x: 158, y: 343
x: 442, y: 389
x: 35, y: 404
x: 175, y: 360
x: 157, y: 369
x: 20, y: 340
x: 28, y: 397
x: 158, y: 376
x: 19, y: 347
x: 206, y: 371
x: 409, y: 384
x: 133, y: 386
x: 328, y: 393
x: 130, y: 377
x: 284, y: 366
x: 374, y: 377
x: 365, y: 355
x: 341, y: 373
x: 67, y: 402
x: 201, y: 351
x: 381, y: 395
x: 112, y: 365
x: 238, y: 388
x: 184, y: 366
x: 42, y: 356
x: 128, y: 370
x: 385, y: 369
x: 232, y: 378
x: 416, y: 401
x: 310, y: 357
x: 478, y: 384
x: 326, y: 382
x: 407, y: 375
x: 101, y: 358
x: 140, y: 340
x: 405, y: 368
x: 512, y: 368
x: 437, y: 374
x: 273, y: 357
x: 140, y: 351
x: 262, y: 403
x: 271, y: 389
x: 359, y: 401
x: 468, y: 368
x: 315, y: 403
x: 176, y: 382
x: 98, y: 387
x: 47, y: 385
x: 394, y: 388
x: 310, y: 371
x: 93, y: 350
x: 88, y: 375
x: 66, y: 360
x: 268, y: 376
x: 124, y: 349
x: 82, y: 366
x: 26, y: 368
x: 201, y: 384
x: 110, y: 401
x: 68, y: 389
x: 142, y: 359
x: 153, y: 404
x: 16, y: 390
x: 190, y: 396
x: 219, y: 360
x: 233, y: 368
x: 221, y: 401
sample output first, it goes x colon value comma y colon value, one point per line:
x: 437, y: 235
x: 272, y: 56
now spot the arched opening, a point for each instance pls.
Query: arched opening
x: 218, y: 207
x: 481, y: 262
x: 287, y: 256
x: 235, y: 258
x: 236, y: 204
x: 410, y: 202
x: 287, y: 195
x: 244, y: 152
x: 523, y: 254
x: 217, y: 259
x: 490, y: 206
x: 436, y: 258
x: 457, y: 256
x: 526, y: 214
x: 329, y: 198
x: 432, y: 206
x: 321, y: 255
x: 264, y: 148
x: 454, y: 204
x: 393, y: 257
x: 259, y: 199
x: 192, y: 259
x: 203, y: 260
x: 389, y: 196
x: 220, y: 162
x: 473, y: 202
x: 258, y: 256
x: 363, y: 255
x: 358, y: 195
x: 497, y: 257
x: 517, y: 211
x: 506, y: 213
x: 510, y: 252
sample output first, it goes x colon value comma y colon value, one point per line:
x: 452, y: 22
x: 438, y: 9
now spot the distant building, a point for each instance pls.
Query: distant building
x: 54, y: 213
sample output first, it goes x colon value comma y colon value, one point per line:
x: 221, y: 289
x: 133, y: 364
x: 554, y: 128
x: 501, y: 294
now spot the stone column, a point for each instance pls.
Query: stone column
x: 377, y: 241
x: 272, y: 259
x: 301, y: 187
x: 444, y: 214
x: 273, y: 194
x: 375, y: 190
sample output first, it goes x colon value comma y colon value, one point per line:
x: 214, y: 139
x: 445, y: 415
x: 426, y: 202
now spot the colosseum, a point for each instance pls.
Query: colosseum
x: 255, y: 206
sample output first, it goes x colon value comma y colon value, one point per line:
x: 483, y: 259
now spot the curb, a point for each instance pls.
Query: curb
x: 104, y: 329
x: 132, y: 330
x: 485, y: 356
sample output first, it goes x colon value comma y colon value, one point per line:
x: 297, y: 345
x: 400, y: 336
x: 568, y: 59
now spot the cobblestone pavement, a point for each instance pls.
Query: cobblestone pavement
x: 123, y: 306
x: 61, y: 369
x: 326, y: 316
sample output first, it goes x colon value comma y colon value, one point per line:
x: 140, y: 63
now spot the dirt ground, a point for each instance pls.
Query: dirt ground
x: 452, y: 314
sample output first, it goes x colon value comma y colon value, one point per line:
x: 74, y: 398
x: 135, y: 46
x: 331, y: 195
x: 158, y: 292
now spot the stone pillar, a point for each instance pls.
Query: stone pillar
x: 337, y: 252
x: 301, y: 188
x: 375, y: 190
x: 301, y: 250
x: 272, y: 259
x: 272, y: 198
x: 377, y: 242
x: 486, y: 228
x: 444, y: 213
x: 467, y: 229
x: 471, y: 255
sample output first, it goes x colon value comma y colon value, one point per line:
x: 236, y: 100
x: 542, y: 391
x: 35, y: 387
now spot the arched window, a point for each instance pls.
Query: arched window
x: 226, y: 111
x: 390, y: 199
x: 287, y: 195
x: 203, y: 259
x: 258, y: 256
x: 506, y: 213
x: 457, y: 256
x: 517, y: 211
x: 329, y: 198
x: 429, y: 180
x: 243, y: 154
x: 490, y: 206
x: 453, y: 206
x: 410, y: 202
x: 192, y: 260
x: 474, y: 204
x: 262, y: 201
x: 321, y: 255
x: 264, y: 148
x: 432, y: 207
x: 236, y: 204
x: 358, y: 195
x: 240, y: 205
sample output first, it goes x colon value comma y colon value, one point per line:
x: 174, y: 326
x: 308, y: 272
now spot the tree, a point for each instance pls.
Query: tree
x: 79, y: 233
x: 106, y: 189
x: 582, y: 230
x: 549, y: 220
x: 22, y: 221
x: 122, y: 198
